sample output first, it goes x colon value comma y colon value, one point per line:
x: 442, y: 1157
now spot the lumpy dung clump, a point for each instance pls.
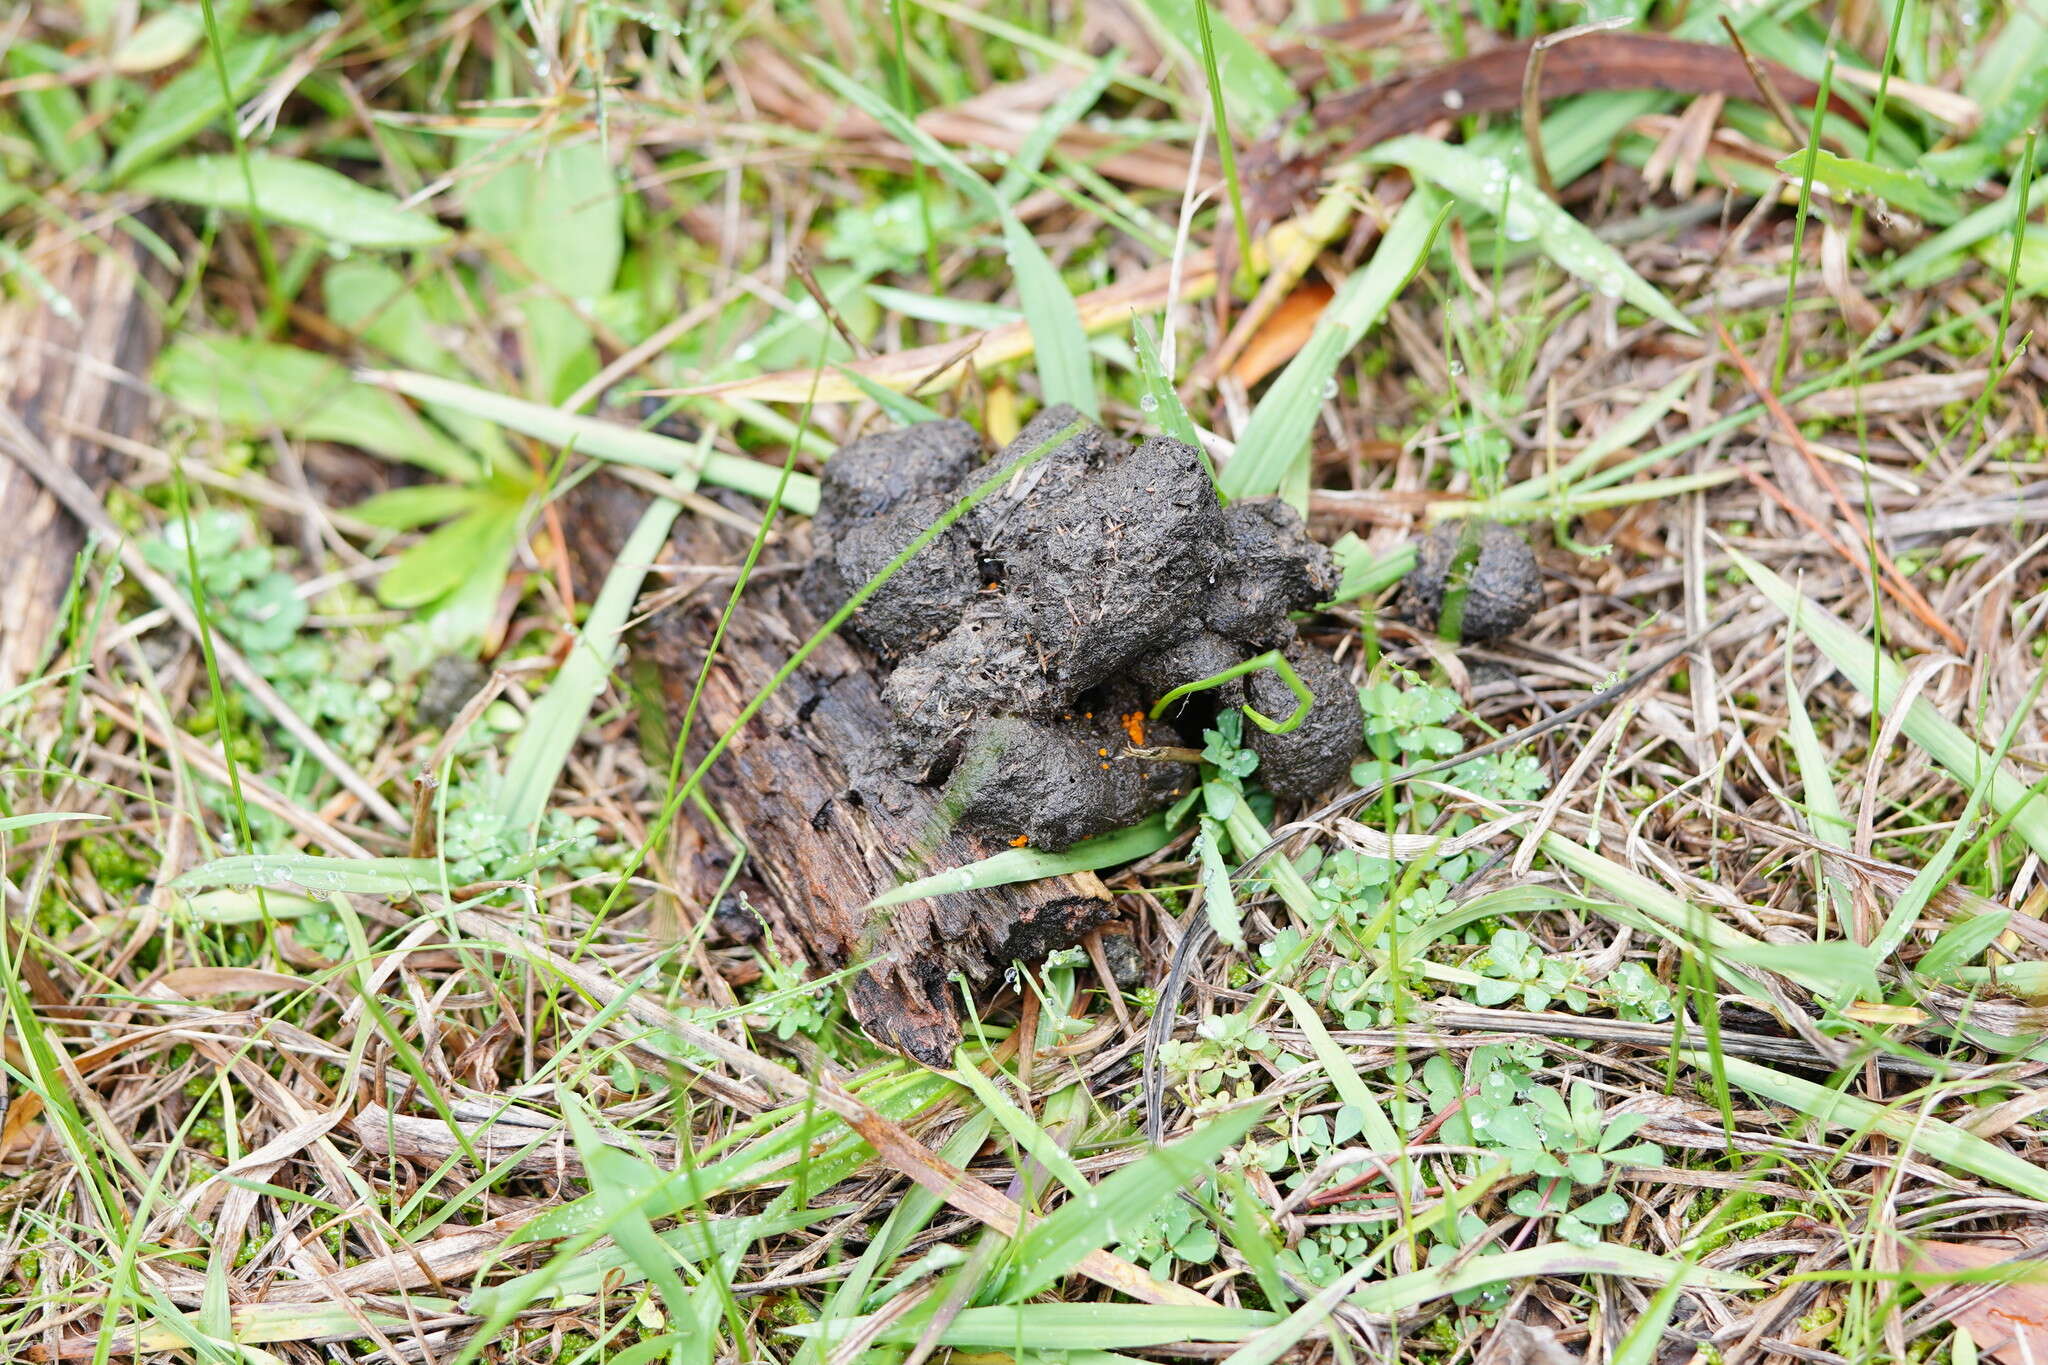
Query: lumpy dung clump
x: 1028, y: 642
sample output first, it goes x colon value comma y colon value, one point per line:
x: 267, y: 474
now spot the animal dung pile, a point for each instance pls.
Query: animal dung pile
x: 1026, y: 645
x: 1473, y: 581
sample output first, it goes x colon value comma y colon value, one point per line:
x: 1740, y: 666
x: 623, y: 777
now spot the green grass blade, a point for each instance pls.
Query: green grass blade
x: 1082, y: 1326
x: 1031, y: 864
x: 1489, y: 185
x: 1120, y: 1205
x: 543, y: 745
x: 1066, y: 371
x: 1901, y: 189
x: 1878, y: 676
x: 1023, y: 1129
x: 1922, y: 1134
x: 680, y: 460
x: 1552, y: 1258
x: 1275, y: 444
x: 298, y: 193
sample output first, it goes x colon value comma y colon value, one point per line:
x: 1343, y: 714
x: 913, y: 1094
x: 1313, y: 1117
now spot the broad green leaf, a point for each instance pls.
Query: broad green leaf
x: 262, y: 386
x: 1878, y: 676
x: 406, y: 509
x: 602, y: 440
x: 557, y: 718
x: 1275, y: 444
x: 189, y: 102
x: 1219, y: 902
x: 158, y: 41
x: 321, y: 876
x: 447, y: 556
x: 1901, y: 189
x: 1030, y: 864
x: 1066, y: 371
x: 1927, y: 1137
x: 1120, y: 1206
x: 406, y: 318
x: 556, y: 209
x: 55, y: 116
x: 1526, y: 213
x: 298, y: 193
x: 1256, y: 90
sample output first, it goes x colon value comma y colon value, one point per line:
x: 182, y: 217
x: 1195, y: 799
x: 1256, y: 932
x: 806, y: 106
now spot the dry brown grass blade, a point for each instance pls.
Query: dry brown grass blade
x: 1491, y: 82
x: 896, y: 1147
x: 1901, y: 587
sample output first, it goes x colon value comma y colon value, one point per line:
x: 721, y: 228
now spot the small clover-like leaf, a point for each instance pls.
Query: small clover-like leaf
x: 1602, y: 1209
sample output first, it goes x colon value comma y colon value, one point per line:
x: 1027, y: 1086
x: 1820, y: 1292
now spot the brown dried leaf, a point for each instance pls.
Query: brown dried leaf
x: 1283, y: 334
x: 2009, y: 1319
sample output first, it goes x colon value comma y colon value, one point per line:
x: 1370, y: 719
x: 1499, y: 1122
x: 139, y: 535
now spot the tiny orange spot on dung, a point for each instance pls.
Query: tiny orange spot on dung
x: 1105, y: 767
x: 991, y: 587
x: 1102, y: 753
x: 1134, y: 726
x: 1087, y: 715
x: 1020, y: 841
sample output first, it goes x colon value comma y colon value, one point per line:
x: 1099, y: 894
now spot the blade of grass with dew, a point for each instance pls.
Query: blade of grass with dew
x: 298, y: 193
x: 322, y: 876
x: 1275, y: 444
x: 1031, y: 864
x: 1160, y: 400
x: 9, y: 823
x: 1065, y: 368
x: 1492, y: 187
x: 679, y: 460
x: 1081, y: 1326
x: 1257, y: 91
x: 1377, y: 1128
x: 1675, y: 917
x: 1922, y: 1134
x: 1283, y: 1336
x: 1878, y: 676
x: 1023, y: 1129
x: 550, y: 732
x: 1901, y: 189
x: 1121, y: 1205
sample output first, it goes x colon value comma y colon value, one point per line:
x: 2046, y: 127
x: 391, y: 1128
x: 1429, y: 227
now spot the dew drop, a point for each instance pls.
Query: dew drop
x: 1149, y: 402
x: 1454, y: 99
x: 1329, y: 389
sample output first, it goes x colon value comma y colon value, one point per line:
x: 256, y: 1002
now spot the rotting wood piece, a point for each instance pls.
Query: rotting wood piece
x: 825, y: 832
x: 72, y: 364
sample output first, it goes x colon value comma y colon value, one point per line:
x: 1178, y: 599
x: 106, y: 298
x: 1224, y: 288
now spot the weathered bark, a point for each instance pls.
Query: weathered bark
x: 824, y: 830
x: 70, y: 370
